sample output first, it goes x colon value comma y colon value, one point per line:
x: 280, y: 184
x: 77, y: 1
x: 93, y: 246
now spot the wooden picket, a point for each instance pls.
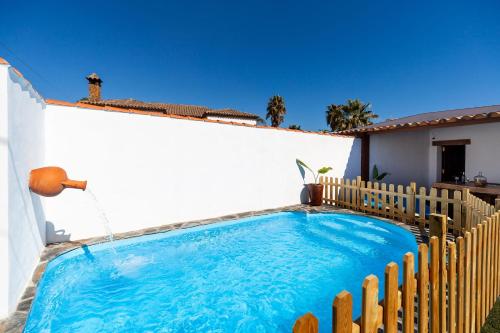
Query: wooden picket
x: 457, y: 282
x: 403, y: 203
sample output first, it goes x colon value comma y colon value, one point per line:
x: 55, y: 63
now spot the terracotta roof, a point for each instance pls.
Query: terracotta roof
x: 457, y: 117
x: 172, y: 109
x: 161, y: 114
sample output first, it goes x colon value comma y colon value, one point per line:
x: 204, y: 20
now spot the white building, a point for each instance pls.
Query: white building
x: 435, y: 146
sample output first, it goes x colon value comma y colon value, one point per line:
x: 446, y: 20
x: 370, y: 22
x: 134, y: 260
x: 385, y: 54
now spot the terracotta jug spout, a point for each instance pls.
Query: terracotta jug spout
x: 78, y: 184
x: 50, y: 181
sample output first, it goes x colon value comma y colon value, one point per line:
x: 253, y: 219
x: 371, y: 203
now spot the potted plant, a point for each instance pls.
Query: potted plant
x: 376, y: 176
x: 315, y: 189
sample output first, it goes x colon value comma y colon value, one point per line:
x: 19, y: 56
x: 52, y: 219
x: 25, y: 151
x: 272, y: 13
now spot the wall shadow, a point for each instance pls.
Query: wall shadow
x: 39, y: 216
x: 304, y: 193
x: 353, y: 166
x: 56, y: 236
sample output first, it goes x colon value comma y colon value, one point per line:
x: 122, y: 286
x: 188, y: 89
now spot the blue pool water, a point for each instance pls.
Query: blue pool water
x: 251, y: 275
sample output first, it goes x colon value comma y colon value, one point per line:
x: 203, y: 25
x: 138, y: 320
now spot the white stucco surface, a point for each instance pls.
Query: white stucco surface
x: 149, y: 171
x: 21, y: 214
x: 234, y: 120
x: 403, y: 154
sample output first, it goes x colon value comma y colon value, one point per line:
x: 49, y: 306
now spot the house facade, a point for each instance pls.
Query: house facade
x: 434, y: 147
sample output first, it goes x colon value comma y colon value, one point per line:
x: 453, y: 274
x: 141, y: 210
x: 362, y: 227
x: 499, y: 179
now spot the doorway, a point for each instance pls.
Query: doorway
x: 452, y: 162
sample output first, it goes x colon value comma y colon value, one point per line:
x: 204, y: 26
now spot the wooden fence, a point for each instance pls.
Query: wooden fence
x: 457, y: 282
x: 406, y: 203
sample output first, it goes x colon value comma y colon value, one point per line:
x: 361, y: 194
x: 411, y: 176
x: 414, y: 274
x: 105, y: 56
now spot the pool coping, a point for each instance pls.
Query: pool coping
x: 16, y: 321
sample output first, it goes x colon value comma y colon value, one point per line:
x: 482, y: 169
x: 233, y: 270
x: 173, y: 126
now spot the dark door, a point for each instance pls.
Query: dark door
x: 453, y: 162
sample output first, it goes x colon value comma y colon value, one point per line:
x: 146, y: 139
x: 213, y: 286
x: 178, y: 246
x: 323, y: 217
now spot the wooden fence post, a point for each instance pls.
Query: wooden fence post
x: 497, y: 204
x: 408, y: 293
x: 473, y: 281
x: 483, y: 274
x: 358, y: 193
x: 460, y: 284
x: 434, y: 285
x: 457, y: 213
x: 342, y: 313
x: 423, y: 289
x: 466, y: 222
x: 391, y: 298
x: 411, y: 202
x: 370, y: 308
x: 452, y: 266
x: 479, y: 265
x: 422, y: 208
x: 438, y: 228
x: 306, y: 324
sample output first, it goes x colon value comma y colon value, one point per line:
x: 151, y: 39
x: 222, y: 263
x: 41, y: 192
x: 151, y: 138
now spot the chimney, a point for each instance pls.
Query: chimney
x: 94, y: 87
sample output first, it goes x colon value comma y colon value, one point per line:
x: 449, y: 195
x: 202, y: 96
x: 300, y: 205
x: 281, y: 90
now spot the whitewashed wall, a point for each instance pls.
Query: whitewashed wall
x: 149, y: 171
x: 404, y: 155
x: 22, y: 223
x: 483, y: 154
x: 235, y: 120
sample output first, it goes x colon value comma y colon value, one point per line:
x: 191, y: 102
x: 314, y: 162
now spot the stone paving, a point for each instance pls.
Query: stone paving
x: 15, y: 322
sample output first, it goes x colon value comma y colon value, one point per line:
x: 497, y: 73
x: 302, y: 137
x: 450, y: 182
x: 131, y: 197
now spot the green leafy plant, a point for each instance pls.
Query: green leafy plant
x: 321, y: 171
x: 378, y: 176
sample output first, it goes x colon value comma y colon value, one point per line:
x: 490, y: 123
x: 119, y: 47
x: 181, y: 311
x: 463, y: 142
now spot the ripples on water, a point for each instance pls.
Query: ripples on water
x: 255, y: 276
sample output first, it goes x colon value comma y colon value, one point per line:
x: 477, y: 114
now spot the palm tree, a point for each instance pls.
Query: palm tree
x: 357, y: 114
x: 335, y: 117
x: 276, y: 110
x: 351, y: 115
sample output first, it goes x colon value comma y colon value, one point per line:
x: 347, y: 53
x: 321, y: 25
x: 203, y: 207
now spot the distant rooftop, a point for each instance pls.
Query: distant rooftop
x: 94, y: 98
x: 172, y: 109
x: 456, y: 117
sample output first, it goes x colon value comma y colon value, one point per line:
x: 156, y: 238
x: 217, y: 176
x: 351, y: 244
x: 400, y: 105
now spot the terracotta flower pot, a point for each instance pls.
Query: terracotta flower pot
x: 315, y: 194
x: 50, y: 181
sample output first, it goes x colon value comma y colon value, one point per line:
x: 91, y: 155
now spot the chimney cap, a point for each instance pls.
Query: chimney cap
x: 93, y: 77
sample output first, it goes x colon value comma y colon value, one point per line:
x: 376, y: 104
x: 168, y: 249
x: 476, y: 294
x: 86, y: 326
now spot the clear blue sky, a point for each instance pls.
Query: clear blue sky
x: 404, y: 57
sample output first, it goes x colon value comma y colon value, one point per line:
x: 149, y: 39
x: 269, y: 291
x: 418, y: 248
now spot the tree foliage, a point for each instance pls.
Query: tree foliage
x: 350, y: 115
x: 276, y: 110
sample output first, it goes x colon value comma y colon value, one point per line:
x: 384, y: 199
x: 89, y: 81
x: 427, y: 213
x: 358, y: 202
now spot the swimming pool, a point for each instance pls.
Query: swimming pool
x: 251, y: 275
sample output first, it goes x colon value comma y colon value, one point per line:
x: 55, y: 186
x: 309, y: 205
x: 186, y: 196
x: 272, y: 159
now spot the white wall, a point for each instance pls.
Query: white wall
x: 234, y: 120
x: 404, y: 155
x: 483, y: 154
x: 21, y: 220
x: 149, y: 171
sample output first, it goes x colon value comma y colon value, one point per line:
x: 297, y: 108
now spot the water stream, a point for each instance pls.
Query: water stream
x: 103, y: 218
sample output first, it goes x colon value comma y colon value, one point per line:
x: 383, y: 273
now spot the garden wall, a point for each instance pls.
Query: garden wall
x: 22, y: 223
x: 148, y: 170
